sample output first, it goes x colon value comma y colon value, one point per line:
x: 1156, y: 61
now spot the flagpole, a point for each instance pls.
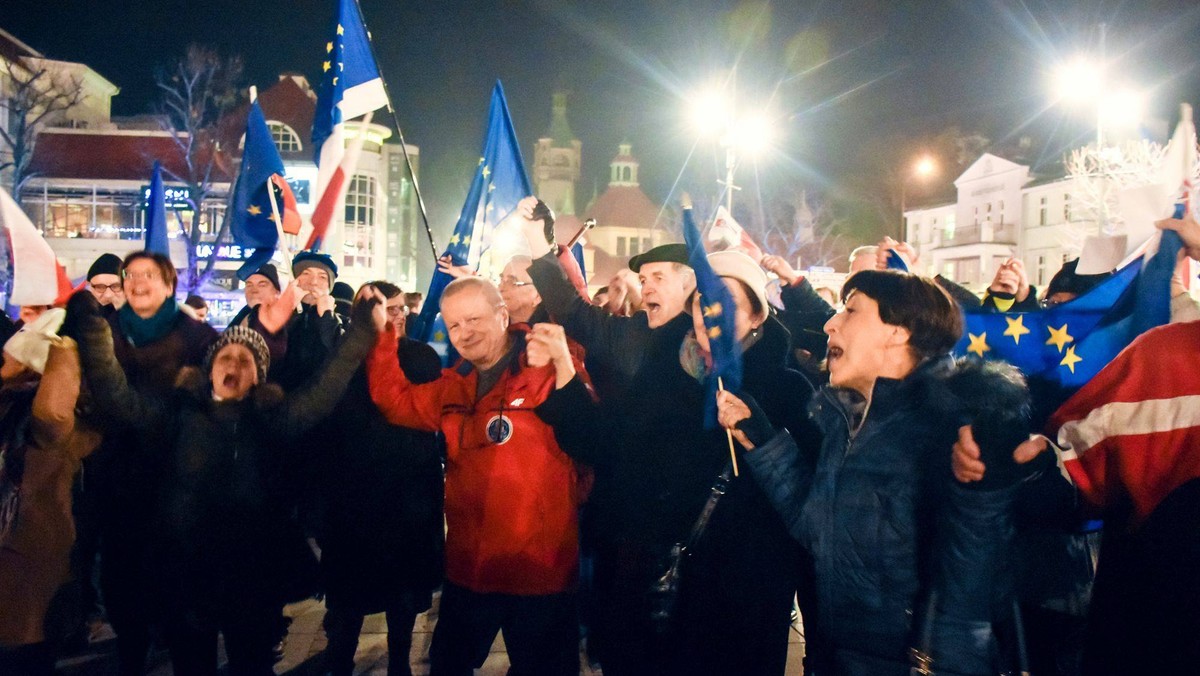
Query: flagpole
x: 399, y: 133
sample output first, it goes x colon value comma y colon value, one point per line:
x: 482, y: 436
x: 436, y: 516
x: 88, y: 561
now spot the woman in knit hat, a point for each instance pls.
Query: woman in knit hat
x: 226, y: 554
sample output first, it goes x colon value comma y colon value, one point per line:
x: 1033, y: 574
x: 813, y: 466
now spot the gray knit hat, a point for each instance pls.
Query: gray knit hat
x: 248, y: 338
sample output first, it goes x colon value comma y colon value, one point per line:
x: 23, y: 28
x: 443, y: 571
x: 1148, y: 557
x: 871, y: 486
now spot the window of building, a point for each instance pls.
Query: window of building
x: 948, y: 231
x: 634, y: 246
x: 1042, y: 211
x: 358, y: 243
x: 285, y: 138
x: 621, y: 247
x: 646, y: 244
x: 1041, y: 264
x: 977, y: 215
x: 1067, y: 207
x: 1000, y: 210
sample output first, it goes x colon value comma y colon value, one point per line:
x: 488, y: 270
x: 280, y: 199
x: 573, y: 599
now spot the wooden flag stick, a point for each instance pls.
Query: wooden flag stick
x: 728, y: 432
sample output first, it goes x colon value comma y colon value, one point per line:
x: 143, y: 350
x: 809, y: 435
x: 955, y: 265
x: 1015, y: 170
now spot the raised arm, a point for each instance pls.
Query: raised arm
x: 54, y: 403
x: 399, y: 400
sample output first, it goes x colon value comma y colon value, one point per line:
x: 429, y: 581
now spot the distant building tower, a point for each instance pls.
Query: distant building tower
x: 623, y: 170
x: 556, y: 161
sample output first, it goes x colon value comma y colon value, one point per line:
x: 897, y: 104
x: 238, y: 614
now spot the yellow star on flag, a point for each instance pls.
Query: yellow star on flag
x: 271, y: 217
x: 325, y: 67
x: 1016, y: 328
x: 454, y: 239
x: 486, y: 172
x: 978, y: 344
x: 340, y: 30
x: 1058, y: 337
x: 328, y: 47
x: 467, y: 240
x: 439, y: 336
x: 714, y: 332
x: 713, y: 310
x: 491, y: 187
x: 1071, y: 359
x: 254, y: 210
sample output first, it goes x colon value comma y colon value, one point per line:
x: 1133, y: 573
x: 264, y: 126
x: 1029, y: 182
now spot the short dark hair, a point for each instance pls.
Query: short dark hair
x: 388, y: 289
x: 195, y: 301
x: 933, y: 320
x: 165, y: 267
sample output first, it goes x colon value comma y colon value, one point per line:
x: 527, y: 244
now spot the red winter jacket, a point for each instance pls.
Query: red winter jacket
x: 512, y: 495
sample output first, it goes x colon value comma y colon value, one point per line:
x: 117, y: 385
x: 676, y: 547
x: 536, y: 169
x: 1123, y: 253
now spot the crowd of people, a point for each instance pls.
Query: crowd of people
x: 559, y: 479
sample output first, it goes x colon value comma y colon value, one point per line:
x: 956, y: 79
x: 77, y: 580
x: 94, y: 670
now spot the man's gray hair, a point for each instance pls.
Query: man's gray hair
x: 489, y: 290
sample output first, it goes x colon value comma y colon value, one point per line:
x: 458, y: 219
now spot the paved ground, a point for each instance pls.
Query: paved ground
x: 306, y: 641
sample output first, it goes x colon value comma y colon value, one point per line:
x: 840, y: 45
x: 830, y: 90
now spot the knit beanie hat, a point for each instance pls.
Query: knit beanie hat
x: 309, y: 259
x: 248, y: 338
x: 106, y: 264
x: 268, y: 270
x: 31, y: 345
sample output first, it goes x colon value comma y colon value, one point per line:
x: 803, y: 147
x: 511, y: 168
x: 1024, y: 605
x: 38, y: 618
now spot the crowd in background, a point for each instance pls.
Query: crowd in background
x: 547, y: 480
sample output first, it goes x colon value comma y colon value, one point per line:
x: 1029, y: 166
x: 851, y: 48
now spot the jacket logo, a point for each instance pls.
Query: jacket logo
x: 499, y: 429
x: 518, y: 401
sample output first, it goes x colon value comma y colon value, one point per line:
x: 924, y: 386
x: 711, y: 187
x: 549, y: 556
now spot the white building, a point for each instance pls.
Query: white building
x: 1001, y: 211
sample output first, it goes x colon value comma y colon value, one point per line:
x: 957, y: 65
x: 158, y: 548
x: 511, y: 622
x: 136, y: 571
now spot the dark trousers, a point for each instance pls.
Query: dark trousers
x: 36, y: 659
x: 342, y: 628
x: 250, y: 635
x: 541, y: 633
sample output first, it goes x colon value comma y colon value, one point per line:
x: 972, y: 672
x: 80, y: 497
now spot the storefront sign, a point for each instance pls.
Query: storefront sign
x: 175, y: 197
x: 225, y: 252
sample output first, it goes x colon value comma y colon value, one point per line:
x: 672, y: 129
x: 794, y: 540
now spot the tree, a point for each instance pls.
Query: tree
x: 36, y: 98
x: 1097, y: 179
x: 195, y: 93
x: 801, y: 229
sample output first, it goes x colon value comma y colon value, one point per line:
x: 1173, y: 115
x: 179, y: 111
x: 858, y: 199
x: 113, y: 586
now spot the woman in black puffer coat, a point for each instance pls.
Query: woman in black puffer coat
x: 226, y: 555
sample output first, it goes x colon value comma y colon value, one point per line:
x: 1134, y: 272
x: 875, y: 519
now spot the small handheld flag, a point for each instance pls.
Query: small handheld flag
x: 253, y: 225
x: 156, y: 215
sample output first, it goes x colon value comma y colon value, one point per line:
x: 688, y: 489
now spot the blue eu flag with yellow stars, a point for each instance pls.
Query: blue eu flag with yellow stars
x: 1069, y: 343
x: 253, y: 225
x: 718, y: 309
x: 500, y: 182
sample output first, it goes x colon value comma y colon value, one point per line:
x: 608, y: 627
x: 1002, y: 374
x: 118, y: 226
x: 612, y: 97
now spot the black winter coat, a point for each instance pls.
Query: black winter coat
x: 888, y: 526
x: 382, y: 536
x: 221, y: 537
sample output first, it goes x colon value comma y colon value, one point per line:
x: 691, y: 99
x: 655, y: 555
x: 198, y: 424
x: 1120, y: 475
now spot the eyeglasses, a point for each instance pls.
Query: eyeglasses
x: 149, y: 275
x: 397, y: 310
x: 509, y: 280
x: 105, y: 288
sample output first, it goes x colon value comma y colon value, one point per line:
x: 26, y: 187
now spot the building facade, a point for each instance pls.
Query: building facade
x: 1001, y: 211
x: 556, y: 161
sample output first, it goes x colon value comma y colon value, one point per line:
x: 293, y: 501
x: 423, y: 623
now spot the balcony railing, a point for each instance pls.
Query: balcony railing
x: 975, y: 234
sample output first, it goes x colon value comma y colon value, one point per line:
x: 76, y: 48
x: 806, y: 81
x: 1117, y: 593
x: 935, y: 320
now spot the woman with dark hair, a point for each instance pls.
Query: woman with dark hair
x: 381, y: 487
x: 909, y: 563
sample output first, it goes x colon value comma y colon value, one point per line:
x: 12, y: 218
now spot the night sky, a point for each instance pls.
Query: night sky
x: 838, y: 75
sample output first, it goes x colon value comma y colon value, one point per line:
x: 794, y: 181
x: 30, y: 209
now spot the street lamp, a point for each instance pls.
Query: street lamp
x: 1084, y: 81
x: 714, y: 115
x: 923, y: 168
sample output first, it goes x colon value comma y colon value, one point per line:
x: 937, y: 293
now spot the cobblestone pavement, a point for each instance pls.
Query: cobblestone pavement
x: 306, y: 642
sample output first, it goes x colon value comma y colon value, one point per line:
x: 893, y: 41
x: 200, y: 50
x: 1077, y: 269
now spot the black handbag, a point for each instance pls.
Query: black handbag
x: 663, y: 595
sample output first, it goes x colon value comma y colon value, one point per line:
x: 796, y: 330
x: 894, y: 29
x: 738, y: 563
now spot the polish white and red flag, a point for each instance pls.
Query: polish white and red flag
x: 1133, y: 432
x: 727, y: 233
x: 351, y: 87
x: 38, y: 278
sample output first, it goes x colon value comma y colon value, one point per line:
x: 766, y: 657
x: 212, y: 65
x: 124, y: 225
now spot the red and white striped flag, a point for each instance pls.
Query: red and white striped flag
x: 1134, y: 430
x: 38, y: 277
x: 730, y: 234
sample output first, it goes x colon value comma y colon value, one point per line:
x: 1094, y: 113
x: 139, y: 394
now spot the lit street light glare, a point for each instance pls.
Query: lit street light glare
x: 710, y: 111
x: 925, y: 167
x: 753, y: 134
x: 1079, y: 81
x: 1124, y: 108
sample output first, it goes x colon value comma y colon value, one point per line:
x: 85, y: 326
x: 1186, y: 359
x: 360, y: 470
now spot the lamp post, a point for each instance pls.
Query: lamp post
x: 922, y: 168
x: 1085, y: 81
x: 715, y: 116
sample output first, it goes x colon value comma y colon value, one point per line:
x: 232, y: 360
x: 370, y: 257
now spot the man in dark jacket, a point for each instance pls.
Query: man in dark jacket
x: 382, y: 532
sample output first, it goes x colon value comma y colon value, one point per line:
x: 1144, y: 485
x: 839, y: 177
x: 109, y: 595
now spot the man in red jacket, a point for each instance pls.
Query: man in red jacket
x: 512, y: 494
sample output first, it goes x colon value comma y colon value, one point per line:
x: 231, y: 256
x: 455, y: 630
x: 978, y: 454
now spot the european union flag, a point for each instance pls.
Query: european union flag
x: 156, y: 215
x: 500, y: 182
x: 718, y: 309
x: 253, y: 225
x: 1071, y: 342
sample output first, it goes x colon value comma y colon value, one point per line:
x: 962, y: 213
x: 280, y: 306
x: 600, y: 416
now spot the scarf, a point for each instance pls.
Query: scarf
x: 140, y: 331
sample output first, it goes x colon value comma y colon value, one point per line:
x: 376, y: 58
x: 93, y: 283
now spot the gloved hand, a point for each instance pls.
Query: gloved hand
x: 757, y: 428
x: 364, y: 310
x: 81, y: 308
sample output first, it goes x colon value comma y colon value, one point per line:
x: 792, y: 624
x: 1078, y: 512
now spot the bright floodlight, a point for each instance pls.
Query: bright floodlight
x: 753, y: 133
x: 710, y: 112
x: 1079, y: 81
x: 925, y: 167
x: 1124, y: 108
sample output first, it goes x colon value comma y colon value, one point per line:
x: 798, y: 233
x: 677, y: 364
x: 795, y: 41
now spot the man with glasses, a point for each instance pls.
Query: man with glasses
x: 104, y: 281
x: 519, y: 294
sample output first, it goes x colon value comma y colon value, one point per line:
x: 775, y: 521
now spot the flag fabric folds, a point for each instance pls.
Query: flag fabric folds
x: 351, y: 86
x: 1133, y: 432
x: 156, y: 215
x: 253, y: 225
x: 38, y: 278
x: 729, y: 234
x: 500, y: 183
x: 718, y: 309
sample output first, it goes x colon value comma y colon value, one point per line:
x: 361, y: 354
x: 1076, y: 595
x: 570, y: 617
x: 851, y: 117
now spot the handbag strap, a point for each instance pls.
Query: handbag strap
x: 719, y: 488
